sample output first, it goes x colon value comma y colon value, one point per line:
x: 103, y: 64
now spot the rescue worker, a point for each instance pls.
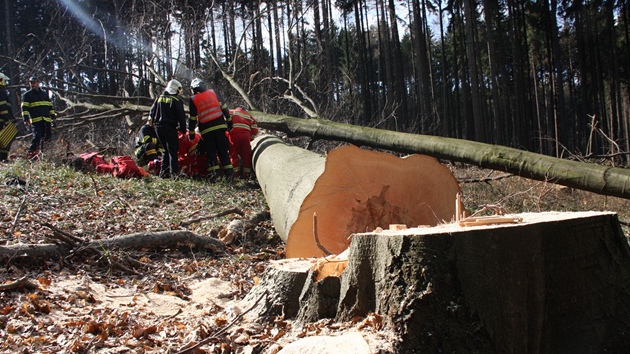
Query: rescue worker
x: 244, y: 129
x: 192, y: 160
x: 168, y: 116
x: 147, y: 145
x: 6, y: 114
x: 38, y: 112
x: 208, y: 109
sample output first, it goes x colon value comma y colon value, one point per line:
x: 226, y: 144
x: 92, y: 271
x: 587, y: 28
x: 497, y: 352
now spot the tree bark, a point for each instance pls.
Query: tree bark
x: 555, y: 282
x: 319, y: 201
x: 283, y: 282
x: 590, y: 177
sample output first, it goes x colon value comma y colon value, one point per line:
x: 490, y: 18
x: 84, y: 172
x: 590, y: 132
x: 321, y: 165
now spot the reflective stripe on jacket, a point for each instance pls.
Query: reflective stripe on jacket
x: 6, y: 113
x: 207, y: 107
x: 36, y: 106
x: 148, y: 136
x: 243, y: 121
x: 168, y: 110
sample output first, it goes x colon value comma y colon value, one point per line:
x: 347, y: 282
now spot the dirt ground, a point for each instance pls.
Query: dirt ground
x: 89, y: 313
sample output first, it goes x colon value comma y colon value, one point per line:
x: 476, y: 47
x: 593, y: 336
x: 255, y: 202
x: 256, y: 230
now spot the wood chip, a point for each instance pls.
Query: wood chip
x: 490, y: 220
x: 396, y: 227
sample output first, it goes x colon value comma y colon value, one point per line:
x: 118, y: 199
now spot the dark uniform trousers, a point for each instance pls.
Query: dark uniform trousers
x: 167, y: 135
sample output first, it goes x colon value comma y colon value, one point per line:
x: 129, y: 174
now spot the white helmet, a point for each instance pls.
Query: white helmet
x: 173, y: 86
x: 197, y: 85
x: 3, y: 79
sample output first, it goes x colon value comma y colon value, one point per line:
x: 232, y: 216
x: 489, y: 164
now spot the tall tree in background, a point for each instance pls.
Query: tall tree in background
x: 399, y: 87
x: 494, y: 27
x: 522, y: 114
x: 421, y: 42
x: 445, y: 109
x: 549, y: 76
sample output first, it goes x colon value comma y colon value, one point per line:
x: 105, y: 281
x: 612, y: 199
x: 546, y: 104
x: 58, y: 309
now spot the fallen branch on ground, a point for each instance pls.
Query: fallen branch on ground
x: 239, y: 227
x: 142, y: 240
x: 212, y: 216
x: 19, y: 284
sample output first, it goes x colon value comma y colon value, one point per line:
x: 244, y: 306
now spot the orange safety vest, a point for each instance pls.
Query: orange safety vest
x: 208, y: 106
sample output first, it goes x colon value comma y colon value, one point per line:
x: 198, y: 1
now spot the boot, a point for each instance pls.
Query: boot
x: 213, y: 176
x: 229, y: 174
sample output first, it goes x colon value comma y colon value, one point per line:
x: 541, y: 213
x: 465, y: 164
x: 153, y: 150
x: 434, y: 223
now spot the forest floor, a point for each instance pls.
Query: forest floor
x: 170, y: 299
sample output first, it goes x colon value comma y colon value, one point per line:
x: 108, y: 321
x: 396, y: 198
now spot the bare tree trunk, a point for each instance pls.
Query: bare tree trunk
x: 492, y: 19
x: 397, y: 81
x: 590, y: 177
x: 470, y: 11
x: 423, y: 71
x: 146, y: 240
x: 279, y: 44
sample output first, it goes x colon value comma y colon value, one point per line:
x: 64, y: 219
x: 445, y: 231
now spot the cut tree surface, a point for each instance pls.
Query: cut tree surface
x: 350, y: 190
x: 551, y: 283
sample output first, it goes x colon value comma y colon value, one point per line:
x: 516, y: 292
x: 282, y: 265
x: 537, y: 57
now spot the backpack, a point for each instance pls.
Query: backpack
x: 92, y: 159
x: 125, y: 167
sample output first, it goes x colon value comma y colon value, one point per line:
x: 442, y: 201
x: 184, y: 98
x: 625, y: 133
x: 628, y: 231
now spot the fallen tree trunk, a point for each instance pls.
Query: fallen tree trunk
x: 142, y: 240
x: 316, y: 202
x: 590, y: 177
x: 551, y: 283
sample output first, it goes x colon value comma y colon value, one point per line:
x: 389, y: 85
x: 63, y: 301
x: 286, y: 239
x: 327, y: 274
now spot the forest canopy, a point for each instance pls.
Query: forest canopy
x: 545, y: 76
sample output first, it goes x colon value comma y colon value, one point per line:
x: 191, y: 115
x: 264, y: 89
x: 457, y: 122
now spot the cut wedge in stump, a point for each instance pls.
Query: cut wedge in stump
x: 350, y: 190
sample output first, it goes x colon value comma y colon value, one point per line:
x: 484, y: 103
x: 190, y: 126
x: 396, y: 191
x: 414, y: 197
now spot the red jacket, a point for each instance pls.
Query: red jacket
x: 243, y: 121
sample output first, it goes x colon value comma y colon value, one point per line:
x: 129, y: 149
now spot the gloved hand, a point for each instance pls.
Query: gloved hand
x: 230, y: 125
x: 191, y: 136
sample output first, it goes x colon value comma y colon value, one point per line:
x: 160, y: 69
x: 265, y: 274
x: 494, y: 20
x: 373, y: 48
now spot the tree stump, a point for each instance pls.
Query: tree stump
x: 552, y: 283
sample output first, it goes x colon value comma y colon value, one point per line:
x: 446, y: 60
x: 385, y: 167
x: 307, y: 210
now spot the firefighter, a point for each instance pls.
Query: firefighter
x: 208, y: 109
x: 148, y: 147
x: 244, y: 129
x: 6, y: 114
x: 168, y: 116
x: 38, y: 112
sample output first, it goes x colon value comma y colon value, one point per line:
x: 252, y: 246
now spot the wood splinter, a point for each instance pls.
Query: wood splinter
x: 490, y: 220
